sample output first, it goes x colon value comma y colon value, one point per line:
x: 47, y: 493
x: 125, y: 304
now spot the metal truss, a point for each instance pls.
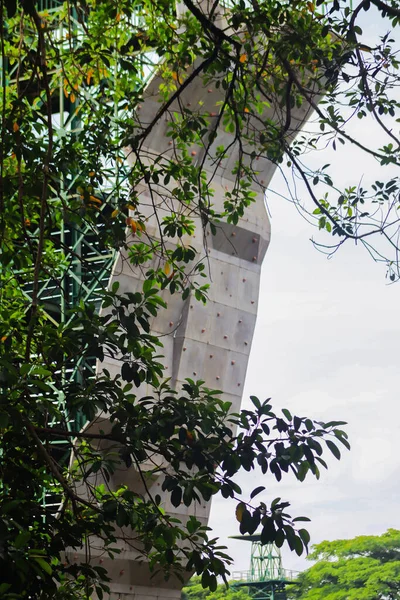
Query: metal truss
x: 266, y: 579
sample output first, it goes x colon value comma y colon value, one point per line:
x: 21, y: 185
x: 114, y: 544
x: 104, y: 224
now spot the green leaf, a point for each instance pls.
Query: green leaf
x: 268, y: 531
x: 43, y: 565
x: 305, y: 536
x: 176, y: 496
x: 99, y: 592
x: 240, y: 509
x: 257, y: 491
x: 333, y: 448
x: 22, y: 539
x: 255, y: 401
x: 297, y: 545
x: 4, y: 420
x: 122, y: 518
x: 212, y: 583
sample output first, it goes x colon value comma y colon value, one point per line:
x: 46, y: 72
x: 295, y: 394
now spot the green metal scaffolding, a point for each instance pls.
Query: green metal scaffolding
x: 266, y: 579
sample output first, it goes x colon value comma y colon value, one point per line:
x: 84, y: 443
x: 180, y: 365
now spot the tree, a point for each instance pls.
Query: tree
x: 195, y: 591
x: 73, y: 82
x: 363, y: 568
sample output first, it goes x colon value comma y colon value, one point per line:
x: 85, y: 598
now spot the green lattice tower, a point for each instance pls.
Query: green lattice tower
x: 86, y: 268
x: 266, y: 579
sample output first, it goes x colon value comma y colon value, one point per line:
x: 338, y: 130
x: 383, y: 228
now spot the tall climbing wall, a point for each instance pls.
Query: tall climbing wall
x: 210, y: 342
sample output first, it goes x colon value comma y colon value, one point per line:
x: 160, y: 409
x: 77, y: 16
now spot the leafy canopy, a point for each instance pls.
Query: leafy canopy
x: 195, y: 591
x: 363, y: 568
x: 72, y: 87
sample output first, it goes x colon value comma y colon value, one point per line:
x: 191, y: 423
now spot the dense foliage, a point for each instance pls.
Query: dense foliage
x: 73, y: 79
x: 195, y: 591
x: 363, y: 568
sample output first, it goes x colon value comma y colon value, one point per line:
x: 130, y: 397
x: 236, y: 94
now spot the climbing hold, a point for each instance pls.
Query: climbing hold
x: 211, y: 355
x: 232, y: 362
x: 171, y: 323
x: 184, y: 349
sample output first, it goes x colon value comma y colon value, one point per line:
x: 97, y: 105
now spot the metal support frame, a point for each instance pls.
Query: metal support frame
x: 266, y: 579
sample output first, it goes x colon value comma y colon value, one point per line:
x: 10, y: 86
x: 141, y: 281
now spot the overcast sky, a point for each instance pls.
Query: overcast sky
x: 326, y: 346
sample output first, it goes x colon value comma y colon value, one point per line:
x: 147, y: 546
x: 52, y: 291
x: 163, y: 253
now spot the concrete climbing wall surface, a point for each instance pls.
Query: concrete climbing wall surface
x: 210, y: 342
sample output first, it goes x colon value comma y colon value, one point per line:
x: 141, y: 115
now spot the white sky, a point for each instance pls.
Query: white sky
x: 326, y: 346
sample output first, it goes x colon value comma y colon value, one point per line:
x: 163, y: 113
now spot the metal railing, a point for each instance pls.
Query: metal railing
x: 276, y: 575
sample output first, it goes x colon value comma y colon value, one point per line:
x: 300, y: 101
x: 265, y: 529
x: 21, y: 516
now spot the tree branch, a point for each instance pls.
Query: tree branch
x: 54, y: 469
x: 390, y: 10
x: 209, y: 25
x: 135, y: 139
